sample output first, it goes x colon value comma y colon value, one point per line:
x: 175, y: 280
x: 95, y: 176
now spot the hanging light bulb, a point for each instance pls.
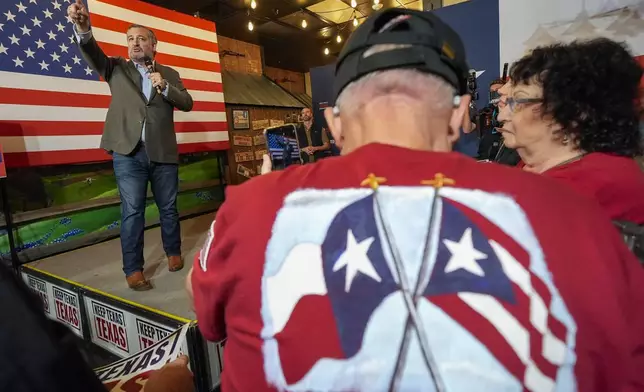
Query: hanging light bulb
x: 250, y: 26
x: 253, y: 4
x: 354, y: 4
x: 304, y: 23
x: 338, y: 38
x: 326, y: 51
x: 376, y: 2
x: 355, y: 21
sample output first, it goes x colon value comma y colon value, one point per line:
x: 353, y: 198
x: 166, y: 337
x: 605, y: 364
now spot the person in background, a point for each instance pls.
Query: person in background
x: 468, y: 140
x: 139, y: 134
x: 491, y: 139
x: 313, y: 139
x: 472, y: 140
x: 401, y: 265
x: 570, y: 114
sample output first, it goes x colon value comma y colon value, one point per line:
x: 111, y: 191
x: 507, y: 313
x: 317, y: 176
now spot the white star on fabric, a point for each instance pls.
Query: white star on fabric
x: 3, y: 49
x: 14, y: 40
x: 44, y: 65
x: 25, y: 30
x: 464, y: 255
x: 1, y: 24
x: 21, y: 8
x: 29, y: 53
x: 10, y: 16
x: 56, y: 5
x: 52, y: 35
x: 355, y: 259
x: 71, y: 39
x: 60, y: 26
x: 41, y: 45
x: 36, y: 21
x: 76, y: 59
x: 48, y: 14
x: 33, y: 2
x: 18, y: 62
x: 67, y: 68
x: 88, y: 70
x: 63, y: 48
x: 55, y: 56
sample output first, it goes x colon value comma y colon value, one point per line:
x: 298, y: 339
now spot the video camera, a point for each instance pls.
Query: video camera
x: 488, y: 115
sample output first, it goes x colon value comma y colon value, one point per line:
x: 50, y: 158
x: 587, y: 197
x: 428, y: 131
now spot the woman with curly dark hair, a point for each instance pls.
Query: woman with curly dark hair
x: 570, y: 113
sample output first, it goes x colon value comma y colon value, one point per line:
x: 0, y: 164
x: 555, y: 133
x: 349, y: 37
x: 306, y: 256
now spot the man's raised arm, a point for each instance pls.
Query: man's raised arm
x: 89, y: 48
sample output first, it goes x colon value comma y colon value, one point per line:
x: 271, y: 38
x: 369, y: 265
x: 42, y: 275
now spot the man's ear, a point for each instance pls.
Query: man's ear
x: 459, y: 114
x: 335, y: 126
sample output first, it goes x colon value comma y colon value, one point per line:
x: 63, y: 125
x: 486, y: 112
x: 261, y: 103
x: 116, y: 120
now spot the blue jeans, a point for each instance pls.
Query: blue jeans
x: 132, y: 175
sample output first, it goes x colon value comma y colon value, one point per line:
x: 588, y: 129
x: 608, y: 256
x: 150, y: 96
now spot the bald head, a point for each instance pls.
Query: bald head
x: 401, y: 107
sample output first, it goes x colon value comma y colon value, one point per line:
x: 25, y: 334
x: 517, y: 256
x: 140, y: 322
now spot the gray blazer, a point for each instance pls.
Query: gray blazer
x: 129, y: 107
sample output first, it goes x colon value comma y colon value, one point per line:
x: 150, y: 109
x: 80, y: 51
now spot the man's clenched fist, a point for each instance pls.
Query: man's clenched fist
x: 77, y: 12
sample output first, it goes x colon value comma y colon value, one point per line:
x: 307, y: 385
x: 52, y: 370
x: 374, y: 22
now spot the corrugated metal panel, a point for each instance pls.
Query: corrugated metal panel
x: 256, y: 90
x: 304, y: 98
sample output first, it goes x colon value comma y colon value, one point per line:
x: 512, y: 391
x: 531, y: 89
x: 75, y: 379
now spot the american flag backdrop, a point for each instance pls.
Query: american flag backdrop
x: 53, y: 105
x: 276, y: 148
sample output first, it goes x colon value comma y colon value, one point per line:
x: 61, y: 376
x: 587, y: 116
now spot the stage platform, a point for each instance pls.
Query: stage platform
x: 100, y: 268
x: 86, y: 290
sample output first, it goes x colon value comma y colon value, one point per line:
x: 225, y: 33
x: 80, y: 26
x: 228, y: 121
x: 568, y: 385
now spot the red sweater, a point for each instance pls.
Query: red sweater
x: 518, y: 274
x: 616, y: 183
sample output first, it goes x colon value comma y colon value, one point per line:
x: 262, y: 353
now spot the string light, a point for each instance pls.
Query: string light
x: 326, y: 51
x: 304, y: 23
x: 354, y: 4
x: 338, y: 38
x: 376, y: 2
x: 250, y: 26
x: 253, y: 4
x: 355, y: 21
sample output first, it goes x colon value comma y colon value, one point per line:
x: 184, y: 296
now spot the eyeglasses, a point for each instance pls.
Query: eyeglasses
x: 513, y: 102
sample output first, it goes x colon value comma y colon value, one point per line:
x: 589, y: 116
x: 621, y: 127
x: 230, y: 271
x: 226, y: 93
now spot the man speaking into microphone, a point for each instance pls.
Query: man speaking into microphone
x: 139, y: 133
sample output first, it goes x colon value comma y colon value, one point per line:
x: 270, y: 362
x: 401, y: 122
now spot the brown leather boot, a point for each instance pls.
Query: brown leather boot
x: 137, y: 282
x: 175, y: 263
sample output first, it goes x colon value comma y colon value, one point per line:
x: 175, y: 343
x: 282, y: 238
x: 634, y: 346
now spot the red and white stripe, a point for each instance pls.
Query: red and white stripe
x: 524, y: 335
x: 49, y: 120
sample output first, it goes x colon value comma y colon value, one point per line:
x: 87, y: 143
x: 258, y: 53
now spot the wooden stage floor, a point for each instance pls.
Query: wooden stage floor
x: 100, y: 268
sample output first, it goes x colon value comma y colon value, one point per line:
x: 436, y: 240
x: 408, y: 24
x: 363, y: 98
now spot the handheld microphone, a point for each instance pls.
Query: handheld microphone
x: 150, y: 65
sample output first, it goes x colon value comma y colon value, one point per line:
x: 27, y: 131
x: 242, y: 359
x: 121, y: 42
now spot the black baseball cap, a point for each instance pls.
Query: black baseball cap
x: 430, y: 46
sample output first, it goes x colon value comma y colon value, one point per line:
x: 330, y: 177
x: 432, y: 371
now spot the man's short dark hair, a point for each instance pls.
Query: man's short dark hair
x: 151, y: 34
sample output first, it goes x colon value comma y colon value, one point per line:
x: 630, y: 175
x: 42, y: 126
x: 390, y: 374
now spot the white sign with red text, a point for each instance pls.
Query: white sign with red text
x: 60, y: 304
x: 149, y: 332
x: 67, y: 308
x: 131, y: 374
x: 108, y: 326
x: 120, y: 331
x: 41, y: 288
